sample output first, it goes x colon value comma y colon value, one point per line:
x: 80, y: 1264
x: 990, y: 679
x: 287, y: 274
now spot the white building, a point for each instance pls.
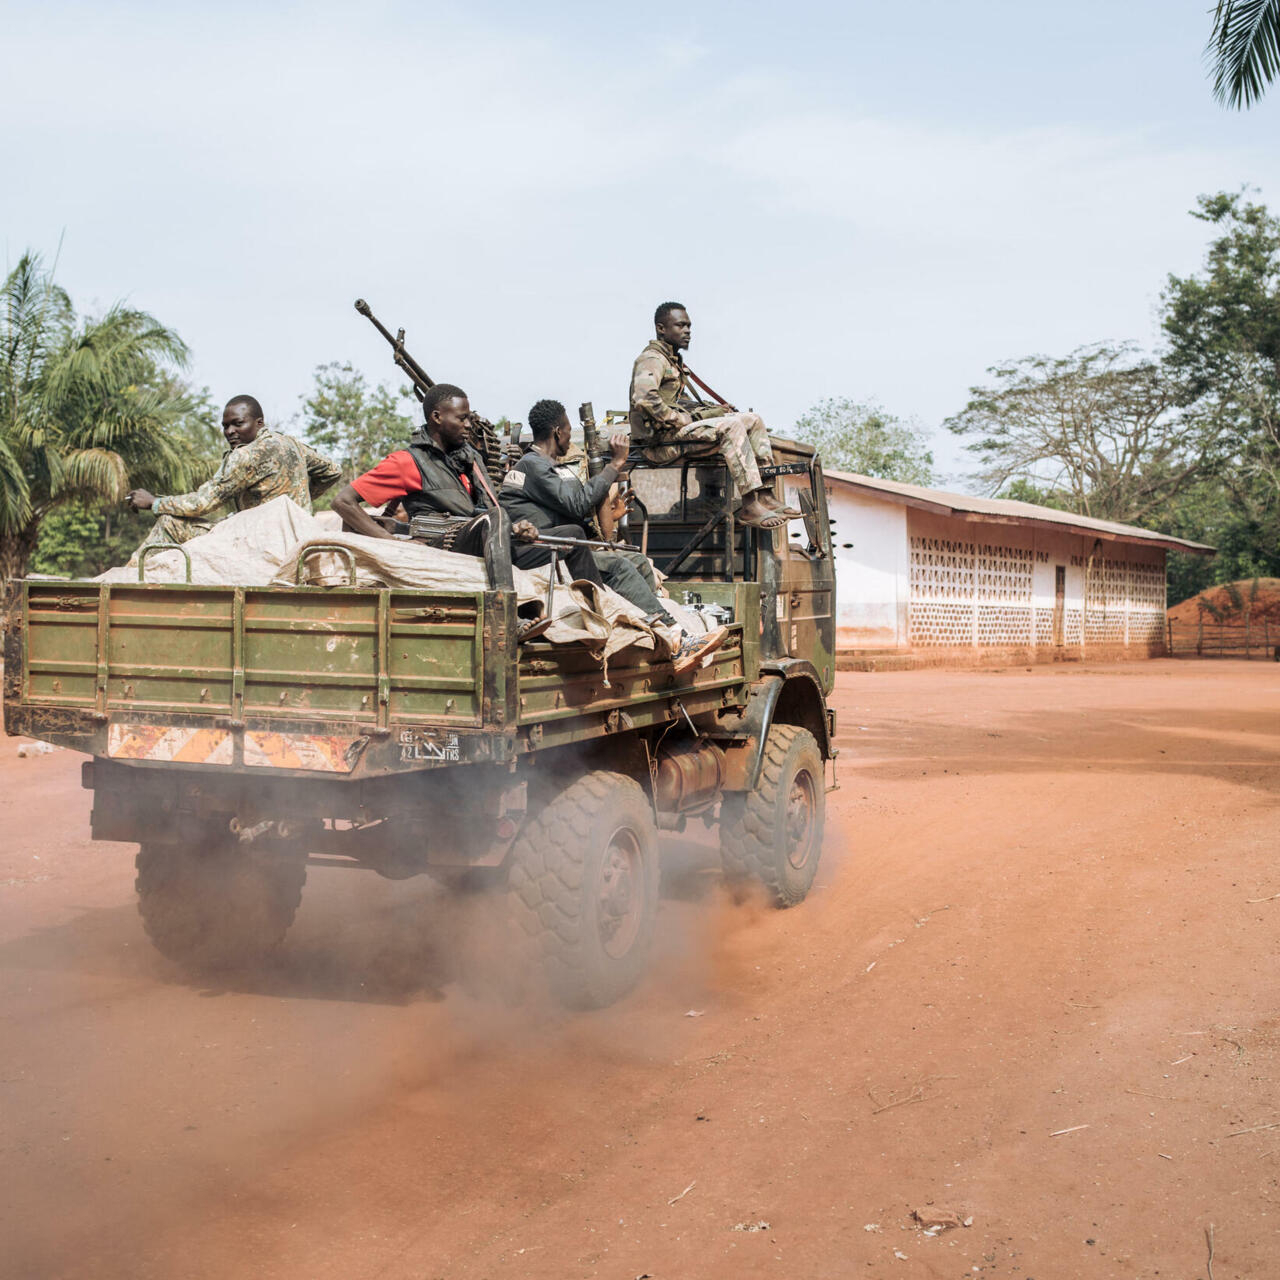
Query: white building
x: 922, y: 571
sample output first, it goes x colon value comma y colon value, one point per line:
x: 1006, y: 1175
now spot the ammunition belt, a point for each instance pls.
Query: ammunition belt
x: 437, y: 531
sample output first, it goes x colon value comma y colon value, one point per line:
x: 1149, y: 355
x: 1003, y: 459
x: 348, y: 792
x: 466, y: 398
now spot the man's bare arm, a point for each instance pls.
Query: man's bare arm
x: 347, y: 504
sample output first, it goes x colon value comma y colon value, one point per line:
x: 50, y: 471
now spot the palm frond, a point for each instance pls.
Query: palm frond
x: 1244, y: 50
x: 35, y: 318
x: 15, y: 493
x: 122, y: 349
x: 84, y: 402
x: 93, y: 473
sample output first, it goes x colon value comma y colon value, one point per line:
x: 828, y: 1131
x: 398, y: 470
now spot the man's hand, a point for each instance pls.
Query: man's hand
x: 524, y: 531
x: 619, y: 448
x: 140, y: 499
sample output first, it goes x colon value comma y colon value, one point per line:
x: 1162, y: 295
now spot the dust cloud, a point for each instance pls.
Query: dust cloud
x: 178, y: 1100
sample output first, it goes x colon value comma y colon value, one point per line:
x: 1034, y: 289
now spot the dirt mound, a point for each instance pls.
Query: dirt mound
x: 1233, y: 602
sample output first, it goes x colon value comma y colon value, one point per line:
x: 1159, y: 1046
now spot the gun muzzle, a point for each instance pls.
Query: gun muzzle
x: 363, y: 307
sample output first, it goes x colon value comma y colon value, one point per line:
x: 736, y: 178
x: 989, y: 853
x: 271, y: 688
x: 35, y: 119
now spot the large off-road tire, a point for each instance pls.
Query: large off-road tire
x: 773, y: 833
x: 217, y: 908
x: 584, y: 888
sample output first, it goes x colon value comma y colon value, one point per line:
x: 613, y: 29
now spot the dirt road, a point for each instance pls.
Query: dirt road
x: 1036, y: 986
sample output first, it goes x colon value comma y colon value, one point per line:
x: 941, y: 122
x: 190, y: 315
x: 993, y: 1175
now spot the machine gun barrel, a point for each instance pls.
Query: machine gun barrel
x: 596, y: 457
x: 422, y: 381
x: 566, y: 544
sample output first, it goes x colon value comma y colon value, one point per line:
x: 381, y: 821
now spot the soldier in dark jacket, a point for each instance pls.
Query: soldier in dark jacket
x: 441, y: 474
x: 544, y: 492
x: 539, y: 490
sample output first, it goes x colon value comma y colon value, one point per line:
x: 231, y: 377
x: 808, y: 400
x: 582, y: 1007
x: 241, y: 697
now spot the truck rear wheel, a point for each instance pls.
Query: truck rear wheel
x: 584, y: 888
x: 773, y: 833
x: 217, y: 908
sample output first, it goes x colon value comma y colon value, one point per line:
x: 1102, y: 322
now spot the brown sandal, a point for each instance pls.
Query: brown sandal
x: 770, y: 520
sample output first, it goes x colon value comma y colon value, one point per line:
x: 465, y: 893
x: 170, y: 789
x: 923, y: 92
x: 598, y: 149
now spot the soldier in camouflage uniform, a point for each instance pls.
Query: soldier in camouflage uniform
x: 666, y: 413
x: 260, y: 464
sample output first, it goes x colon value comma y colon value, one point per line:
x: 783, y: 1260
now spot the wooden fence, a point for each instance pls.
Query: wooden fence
x: 1209, y: 639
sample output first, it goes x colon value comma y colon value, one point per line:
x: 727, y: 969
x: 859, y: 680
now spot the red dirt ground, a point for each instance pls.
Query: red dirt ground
x: 1035, y: 986
x: 1264, y: 604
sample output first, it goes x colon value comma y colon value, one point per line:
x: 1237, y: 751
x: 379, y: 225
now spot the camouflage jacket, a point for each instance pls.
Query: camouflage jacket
x: 660, y: 399
x: 273, y: 464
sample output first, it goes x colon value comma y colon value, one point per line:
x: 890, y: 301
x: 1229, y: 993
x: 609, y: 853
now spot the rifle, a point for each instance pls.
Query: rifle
x: 482, y: 434
x: 614, y: 506
x: 422, y: 381
x: 567, y: 544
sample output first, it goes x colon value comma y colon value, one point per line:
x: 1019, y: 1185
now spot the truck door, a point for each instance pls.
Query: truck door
x: 806, y: 599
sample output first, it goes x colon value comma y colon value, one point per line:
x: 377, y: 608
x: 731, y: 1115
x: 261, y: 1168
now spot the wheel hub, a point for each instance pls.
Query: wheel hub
x: 620, y: 905
x: 801, y: 804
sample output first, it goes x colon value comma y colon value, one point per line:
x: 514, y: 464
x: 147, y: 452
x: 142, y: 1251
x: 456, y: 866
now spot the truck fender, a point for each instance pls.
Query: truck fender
x: 788, y: 692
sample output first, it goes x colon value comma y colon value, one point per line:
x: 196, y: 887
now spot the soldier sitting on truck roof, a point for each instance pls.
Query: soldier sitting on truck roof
x: 439, y: 473
x: 260, y: 464
x: 541, y: 490
x: 666, y: 413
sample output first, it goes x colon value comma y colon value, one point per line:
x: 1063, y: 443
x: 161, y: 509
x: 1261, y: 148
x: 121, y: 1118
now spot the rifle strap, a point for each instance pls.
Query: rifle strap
x: 693, y: 377
x: 479, y: 474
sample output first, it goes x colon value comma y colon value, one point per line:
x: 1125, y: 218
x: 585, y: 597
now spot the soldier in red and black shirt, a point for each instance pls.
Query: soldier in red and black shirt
x: 439, y: 473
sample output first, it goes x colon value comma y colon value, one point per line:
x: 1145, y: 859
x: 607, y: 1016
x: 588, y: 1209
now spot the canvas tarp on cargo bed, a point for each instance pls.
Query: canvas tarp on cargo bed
x: 264, y: 545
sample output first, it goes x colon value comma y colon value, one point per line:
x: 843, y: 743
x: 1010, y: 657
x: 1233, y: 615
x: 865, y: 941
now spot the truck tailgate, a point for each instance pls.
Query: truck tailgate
x: 174, y: 669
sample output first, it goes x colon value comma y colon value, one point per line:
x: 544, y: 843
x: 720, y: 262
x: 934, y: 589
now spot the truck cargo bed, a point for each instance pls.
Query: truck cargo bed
x: 347, y: 681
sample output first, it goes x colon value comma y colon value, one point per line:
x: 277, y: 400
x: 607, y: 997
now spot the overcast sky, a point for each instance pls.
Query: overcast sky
x: 853, y: 199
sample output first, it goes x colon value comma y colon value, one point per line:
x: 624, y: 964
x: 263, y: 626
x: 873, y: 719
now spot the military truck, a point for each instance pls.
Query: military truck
x: 243, y: 735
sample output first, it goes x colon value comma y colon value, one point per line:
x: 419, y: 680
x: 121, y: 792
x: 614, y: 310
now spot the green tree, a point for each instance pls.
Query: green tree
x: 1223, y: 331
x: 353, y: 423
x: 1100, y: 427
x: 82, y: 537
x: 862, y: 437
x: 1244, y: 50
x: 1222, y: 326
x: 1021, y: 490
x: 88, y: 407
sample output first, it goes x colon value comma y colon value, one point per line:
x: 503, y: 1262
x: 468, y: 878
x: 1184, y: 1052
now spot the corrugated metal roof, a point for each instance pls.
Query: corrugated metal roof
x: 1007, y: 511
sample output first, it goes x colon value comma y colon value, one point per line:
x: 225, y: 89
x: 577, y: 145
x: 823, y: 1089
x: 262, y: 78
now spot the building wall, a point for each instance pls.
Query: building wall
x: 870, y: 541
x: 930, y: 583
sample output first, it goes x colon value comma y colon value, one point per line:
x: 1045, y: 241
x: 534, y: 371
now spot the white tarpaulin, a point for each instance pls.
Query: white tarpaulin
x: 265, y: 545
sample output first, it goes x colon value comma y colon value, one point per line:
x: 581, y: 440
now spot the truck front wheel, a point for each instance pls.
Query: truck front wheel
x: 217, y: 908
x: 584, y: 888
x: 773, y: 833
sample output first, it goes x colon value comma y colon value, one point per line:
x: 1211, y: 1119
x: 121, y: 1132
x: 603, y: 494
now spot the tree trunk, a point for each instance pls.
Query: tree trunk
x: 16, y: 550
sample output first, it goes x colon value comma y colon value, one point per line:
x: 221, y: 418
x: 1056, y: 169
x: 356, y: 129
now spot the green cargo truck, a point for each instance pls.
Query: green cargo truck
x: 240, y: 735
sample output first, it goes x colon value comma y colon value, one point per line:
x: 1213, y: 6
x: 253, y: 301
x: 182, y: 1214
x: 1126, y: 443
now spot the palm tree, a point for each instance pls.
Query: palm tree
x: 1244, y: 50
x: 86, y: 407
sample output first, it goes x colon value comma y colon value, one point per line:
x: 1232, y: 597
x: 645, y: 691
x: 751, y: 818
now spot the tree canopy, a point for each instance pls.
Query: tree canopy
x: 861, y: 436
x: 1100, y: 425
x: 1186, y: 441
x: 88, y: 407
x: 355, y: 424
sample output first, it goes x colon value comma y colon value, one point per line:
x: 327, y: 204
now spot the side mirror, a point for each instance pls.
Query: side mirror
x: 811, y: 526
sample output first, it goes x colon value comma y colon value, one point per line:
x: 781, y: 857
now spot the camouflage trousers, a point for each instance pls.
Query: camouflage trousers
x: 740, y: 438
x: 177, y: 529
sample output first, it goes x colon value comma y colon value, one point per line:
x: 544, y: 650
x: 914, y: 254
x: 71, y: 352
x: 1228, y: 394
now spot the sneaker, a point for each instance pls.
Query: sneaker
x: 695, y: 649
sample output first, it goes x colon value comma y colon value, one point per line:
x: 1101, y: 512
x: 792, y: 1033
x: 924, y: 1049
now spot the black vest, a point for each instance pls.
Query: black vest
x: 442, y: 491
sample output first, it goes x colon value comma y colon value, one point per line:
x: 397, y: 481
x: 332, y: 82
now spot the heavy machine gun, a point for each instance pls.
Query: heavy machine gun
x: 483, y: 436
